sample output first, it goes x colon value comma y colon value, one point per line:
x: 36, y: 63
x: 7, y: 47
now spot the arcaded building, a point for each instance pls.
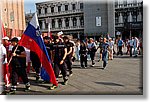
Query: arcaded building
x: 129, y: 18
x: 13, y: 17
x: 78, y: 18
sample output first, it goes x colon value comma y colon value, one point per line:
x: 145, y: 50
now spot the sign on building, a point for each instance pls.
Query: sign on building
x: 98, y: 21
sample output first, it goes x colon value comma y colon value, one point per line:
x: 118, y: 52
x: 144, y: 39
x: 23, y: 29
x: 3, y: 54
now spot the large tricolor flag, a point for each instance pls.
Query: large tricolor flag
x: 32, y: 40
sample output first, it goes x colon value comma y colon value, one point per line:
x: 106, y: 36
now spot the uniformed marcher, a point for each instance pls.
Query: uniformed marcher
x: 48, y: 45
x: 60, y: 53
x: 18, y: 64
x: 68, y: 60
x: 36, y: 64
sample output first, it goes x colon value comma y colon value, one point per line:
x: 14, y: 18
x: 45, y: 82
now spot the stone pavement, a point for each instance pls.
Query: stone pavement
x: 123, y: 75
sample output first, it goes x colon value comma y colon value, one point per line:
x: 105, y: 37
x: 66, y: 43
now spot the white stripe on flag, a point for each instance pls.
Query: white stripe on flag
x: 34, y: 21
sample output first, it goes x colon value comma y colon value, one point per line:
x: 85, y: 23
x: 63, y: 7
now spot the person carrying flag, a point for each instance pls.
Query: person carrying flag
x: 18, y: 64
x: 32, y: 40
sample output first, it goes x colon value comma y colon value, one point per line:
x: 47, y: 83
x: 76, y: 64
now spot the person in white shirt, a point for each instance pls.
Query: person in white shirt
x: 111, y: 47
x: 135, y: 46
x: 3, y: 54
x: 3, y: 61
x: 77, y: 50
x: 131, y: 45
x: 92, y: 50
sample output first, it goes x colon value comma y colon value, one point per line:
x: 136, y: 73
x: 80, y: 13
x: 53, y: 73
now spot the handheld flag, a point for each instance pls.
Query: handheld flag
x: 32, y: 40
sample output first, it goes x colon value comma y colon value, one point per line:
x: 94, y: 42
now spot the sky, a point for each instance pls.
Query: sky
x: 30, y: 5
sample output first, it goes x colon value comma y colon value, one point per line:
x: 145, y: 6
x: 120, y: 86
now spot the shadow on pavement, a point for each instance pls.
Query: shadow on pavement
x: 109, y: 84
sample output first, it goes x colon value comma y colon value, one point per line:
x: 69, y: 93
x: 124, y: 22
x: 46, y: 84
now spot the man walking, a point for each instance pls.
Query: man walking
x: 18, y: 64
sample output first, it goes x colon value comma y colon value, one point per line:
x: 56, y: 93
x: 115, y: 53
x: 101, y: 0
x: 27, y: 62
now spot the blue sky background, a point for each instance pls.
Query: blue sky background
x: 30, y: 5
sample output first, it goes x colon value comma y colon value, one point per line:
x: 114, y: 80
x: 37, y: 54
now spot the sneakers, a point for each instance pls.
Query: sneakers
x: 37, y: 77
x: 65, y: 81
x: 52, y: 87
x: 12, y: 90
x: 92, y: 65
x: 70, y: 73
x: 27, y: 87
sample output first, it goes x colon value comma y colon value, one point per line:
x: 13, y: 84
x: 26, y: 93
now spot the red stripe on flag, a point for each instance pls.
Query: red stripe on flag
x: 29, y: 43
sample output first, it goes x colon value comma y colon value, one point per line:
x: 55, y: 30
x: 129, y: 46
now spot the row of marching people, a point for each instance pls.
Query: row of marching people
x: 60, y: 50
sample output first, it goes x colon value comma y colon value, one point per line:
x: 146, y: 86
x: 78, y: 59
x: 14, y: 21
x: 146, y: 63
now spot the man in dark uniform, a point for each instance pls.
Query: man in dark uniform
x: 18, y: 64
x: 49, y: 45
x: 36, y: 64
x: 60, y: 53
x: 68, y: 60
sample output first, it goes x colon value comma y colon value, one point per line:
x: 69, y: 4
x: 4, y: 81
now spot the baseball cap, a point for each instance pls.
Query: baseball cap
x: 15, y: 39
x: 5, y: 38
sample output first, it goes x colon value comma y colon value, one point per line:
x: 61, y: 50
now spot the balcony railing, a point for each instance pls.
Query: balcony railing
x: 119, y: 25
x: 128, y: 5
x: 61, y: 13
x: 64, y: 28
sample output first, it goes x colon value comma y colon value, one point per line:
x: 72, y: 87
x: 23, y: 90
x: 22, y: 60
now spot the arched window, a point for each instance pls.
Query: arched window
x: 67, y: 22
x: 82, y: 21
x: 59, y: 23
x: 53, y: 23
x: 74, y: 22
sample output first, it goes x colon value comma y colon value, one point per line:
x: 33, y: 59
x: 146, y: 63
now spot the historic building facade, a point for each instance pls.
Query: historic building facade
x: 76, y: 17
x: 129, y: 18
x: 12, y: 16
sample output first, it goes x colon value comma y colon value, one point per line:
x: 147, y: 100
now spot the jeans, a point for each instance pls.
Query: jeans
x: 105, y: 58
x: 135, y: 52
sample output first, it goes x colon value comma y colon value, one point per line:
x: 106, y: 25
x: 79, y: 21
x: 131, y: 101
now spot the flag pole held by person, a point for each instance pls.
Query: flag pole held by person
x: 32, y: 40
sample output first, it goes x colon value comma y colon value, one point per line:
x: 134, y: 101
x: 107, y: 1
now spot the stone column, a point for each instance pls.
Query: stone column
x: 63, y: 22
x: 56, y: 8
x: 42, y: 10
x: 77, y: 5
x: 130, y: 17
x: 70, y: 22
x: 120, y: 18
x: 139, y: 17
x: 43, y: 24
x: 70, y: 6
x: 56, y: 23
x: 49, y: 9
x: 78, y: 21
x: 63, y: 7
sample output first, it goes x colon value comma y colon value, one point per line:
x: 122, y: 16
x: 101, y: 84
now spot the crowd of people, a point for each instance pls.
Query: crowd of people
x: 62, y: 51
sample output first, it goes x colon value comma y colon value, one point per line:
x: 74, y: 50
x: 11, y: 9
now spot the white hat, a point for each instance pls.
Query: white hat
x: 60, y: 33
x: 5, y: 38
x: 19, y: 38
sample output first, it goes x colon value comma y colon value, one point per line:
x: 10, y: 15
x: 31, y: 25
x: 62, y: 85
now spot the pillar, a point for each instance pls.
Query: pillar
x: 70, y: 22
x: 56, y: 23
x: 56, y: 8
x: 43, y: 24
x: 63, y: 22
x: 49, y: 9
x: 78, y: 21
